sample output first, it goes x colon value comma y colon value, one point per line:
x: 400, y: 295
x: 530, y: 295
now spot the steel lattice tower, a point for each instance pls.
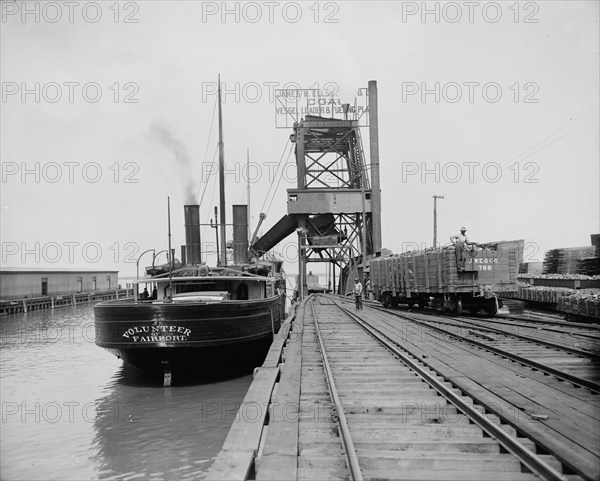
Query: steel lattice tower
x: 337, y: 206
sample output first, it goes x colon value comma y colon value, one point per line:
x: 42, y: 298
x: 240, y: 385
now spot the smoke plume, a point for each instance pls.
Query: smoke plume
x: 183, y: 162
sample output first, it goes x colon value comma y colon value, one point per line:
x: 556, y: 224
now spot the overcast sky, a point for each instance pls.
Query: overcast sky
x: 107, y: 109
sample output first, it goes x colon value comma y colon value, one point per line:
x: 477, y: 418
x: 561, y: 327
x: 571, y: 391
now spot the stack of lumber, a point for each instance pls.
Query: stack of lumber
x: 533, y: 268
x: 596, y: 244
x: 589, y: 266
x: 564, y: 261
x: 551, y: 261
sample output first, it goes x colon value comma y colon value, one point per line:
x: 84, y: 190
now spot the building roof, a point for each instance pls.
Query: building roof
x: 53, y: 270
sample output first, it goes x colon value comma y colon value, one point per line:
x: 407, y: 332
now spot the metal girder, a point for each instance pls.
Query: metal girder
x: 333, y: 178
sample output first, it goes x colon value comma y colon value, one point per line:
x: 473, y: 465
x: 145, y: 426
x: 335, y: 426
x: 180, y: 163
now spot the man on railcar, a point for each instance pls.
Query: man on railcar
x: 461, y: 241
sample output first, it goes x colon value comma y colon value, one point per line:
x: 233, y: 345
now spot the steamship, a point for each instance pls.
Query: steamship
x: 199, y: 319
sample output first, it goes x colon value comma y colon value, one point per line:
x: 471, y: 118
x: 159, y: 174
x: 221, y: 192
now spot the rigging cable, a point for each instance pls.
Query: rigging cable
x: 279, y: 181
x: 208, y: 141
x: 211, y: 196
x: 271, y: 183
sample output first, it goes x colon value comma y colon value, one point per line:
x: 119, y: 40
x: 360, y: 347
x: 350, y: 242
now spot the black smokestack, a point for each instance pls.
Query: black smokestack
x: 193, y: 249
x: 240, y: 234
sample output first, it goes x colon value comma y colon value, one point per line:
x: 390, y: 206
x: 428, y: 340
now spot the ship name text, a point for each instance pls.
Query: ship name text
x: 157, y: 333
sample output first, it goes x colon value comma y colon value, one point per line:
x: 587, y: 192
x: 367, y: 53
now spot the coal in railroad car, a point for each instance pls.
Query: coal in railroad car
x: 436, y: 278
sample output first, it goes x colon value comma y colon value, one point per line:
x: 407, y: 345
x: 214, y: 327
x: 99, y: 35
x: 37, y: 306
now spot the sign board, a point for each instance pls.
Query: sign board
x: 292, y: 105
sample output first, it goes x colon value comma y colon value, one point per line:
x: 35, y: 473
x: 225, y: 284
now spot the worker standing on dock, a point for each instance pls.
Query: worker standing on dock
x: 358, y: 289
x: 461, y: 241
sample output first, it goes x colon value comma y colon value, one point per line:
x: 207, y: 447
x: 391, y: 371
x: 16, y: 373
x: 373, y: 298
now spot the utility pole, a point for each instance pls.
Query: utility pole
x: 435, y: 198
x: 374, y: 152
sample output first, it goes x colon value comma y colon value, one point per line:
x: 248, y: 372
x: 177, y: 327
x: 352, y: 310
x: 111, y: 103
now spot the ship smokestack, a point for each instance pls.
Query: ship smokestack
x: 193, y: 249
x: 240, y: 234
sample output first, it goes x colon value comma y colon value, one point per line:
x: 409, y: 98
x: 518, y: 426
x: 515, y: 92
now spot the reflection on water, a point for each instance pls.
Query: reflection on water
x: 163, y: 433
x: 71, y: 411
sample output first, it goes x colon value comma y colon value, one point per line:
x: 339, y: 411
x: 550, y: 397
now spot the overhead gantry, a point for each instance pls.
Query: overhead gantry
x: 336, y: 206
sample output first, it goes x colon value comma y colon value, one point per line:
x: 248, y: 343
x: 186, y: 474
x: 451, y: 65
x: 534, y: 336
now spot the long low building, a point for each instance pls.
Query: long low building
x: 18, y: 283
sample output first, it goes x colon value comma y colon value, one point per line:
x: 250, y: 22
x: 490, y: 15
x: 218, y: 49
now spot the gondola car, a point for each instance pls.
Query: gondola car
x: 448, y: 280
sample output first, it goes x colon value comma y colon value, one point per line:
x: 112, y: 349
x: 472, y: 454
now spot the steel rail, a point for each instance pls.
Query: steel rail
x: 552, y: 321
x: 529, y: 459
x: 551, y: 327
x: 561, y: 347
x: 592, y: 386
x: 348, y: 445
x: 579, y: 352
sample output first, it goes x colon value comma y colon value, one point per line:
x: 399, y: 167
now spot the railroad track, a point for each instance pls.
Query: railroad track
x: 370, y: 410
x: 590, y: 330
x: 561, y: 334
x: 565, y: 330
x: 550, y: 319
x: 522, y: 345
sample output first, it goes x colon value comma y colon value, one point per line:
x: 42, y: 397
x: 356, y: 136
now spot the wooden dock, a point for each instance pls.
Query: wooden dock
x: 25, y: 304
x: 346, y: 394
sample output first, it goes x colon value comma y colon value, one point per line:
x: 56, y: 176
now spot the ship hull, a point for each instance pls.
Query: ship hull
x: 190, y: 338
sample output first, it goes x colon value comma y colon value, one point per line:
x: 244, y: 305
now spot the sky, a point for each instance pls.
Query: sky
x: 108, y: 108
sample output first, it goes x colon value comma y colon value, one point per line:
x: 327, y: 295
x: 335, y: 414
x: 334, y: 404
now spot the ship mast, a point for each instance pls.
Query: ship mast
x: 222, y: 220
x: 248, y: 186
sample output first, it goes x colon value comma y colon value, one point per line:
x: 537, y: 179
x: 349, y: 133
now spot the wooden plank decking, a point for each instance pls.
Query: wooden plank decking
x: 298, y: 436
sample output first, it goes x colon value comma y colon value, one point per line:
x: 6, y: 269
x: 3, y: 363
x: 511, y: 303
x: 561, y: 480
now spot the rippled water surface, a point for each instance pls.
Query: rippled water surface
x: 71, y: 411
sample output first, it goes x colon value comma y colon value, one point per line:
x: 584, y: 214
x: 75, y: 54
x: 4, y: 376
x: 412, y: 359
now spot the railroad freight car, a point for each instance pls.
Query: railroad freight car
x: 438, y: 277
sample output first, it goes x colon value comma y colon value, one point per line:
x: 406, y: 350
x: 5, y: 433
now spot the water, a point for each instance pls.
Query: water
x: 71, y: 411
